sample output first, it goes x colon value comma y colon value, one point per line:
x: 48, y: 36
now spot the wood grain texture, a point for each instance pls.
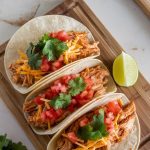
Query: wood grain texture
x: 110, y: 48
x: 145, y: 5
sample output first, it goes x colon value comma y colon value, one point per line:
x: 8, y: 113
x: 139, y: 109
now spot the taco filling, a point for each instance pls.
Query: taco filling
x: 100, y: 128
x: 64, y: 96
x: 53, y: 51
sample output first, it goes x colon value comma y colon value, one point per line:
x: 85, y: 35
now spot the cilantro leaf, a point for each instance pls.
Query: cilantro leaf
x: 54, y: 48
x: 42, y: 41
x: 61, y: 101
x: 3, y: 142
x: 76, y: 85
x: 16, y: 146
x: 34, y: 59
x: 94, y: 130
x: 7, y: 144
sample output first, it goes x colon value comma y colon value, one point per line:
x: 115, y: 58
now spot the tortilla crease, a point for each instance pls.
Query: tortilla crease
x: 132, y: 140
x: 32, y: 31
x: 76, y: 68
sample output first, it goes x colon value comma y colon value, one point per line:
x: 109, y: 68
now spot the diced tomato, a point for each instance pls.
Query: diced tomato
x: 82, y: 102
x: 61, y: 58
x: 108, y: 121
x: 38, y: 101
x: 84, y: 122
x: 53, y: 68
x: 43, y: 116
x: 48, y: 94
x: 55, y: 88
x: 65, y: 79
x: 113, y: 107
x: 73, y: 101
x: 57, y: 64
x: 53, y: 34
x: 110, y: 115
x: 110, y: 128
x: 71, y: 107
x: 90, y: 94
x: 72, y: 137
x: 83, y: 94
x: 51, y: 114
x: 63, y: 88
x: 63, y: 36
x: 45, y: 66
x: 89, y: 83
x: 57, y: 81
x: 59, y: 112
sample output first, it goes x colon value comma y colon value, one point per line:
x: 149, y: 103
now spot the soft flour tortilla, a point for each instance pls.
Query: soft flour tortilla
x: 32, y: 31
x: 132, y: 140
x: 76, y: 68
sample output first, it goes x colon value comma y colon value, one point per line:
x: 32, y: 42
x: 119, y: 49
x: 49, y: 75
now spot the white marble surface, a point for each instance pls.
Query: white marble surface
x: 123, y: 18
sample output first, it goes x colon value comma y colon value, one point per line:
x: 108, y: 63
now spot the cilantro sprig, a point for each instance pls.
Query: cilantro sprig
x: 7, y: 144
x: 76, y: 85
x: 52, y: 48
x: 34, y: 58
x: 94, y: 130
x: 61, y: 101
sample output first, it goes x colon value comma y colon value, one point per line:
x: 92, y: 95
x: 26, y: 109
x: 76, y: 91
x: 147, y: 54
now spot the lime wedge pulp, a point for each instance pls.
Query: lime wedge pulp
x: 125, y: 70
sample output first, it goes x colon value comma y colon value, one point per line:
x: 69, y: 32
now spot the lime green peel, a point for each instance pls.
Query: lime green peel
x: 125, y: 70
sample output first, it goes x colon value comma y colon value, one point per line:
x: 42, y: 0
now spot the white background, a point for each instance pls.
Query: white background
x: 123, y: 18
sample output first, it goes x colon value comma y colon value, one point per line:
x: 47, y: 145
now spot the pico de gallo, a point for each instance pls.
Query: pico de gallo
x: 64, y: 96
x: 99, y: 128
x: 52, y: 52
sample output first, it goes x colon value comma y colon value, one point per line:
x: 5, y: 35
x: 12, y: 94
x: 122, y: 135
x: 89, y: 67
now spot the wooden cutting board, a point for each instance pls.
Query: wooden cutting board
x: 140, y: 92
x: 145, y: 6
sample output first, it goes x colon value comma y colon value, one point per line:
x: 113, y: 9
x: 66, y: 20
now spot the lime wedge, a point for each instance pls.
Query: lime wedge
x: 125, y: 70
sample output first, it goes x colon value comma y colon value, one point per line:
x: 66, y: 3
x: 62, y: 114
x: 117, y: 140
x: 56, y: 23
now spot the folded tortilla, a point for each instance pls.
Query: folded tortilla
x: 130, y: 142
x: 74, y: 69
x: 32, y: 31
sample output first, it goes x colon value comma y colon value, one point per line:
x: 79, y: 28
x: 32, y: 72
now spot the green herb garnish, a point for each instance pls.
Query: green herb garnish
x: 34, y: 59
x: 7, y: 144
x: 76, y: 85
x: 54, y: 48
x: 61, y: 101
x: 94, y: 130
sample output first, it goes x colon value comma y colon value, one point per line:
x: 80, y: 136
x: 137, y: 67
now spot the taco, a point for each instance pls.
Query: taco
x: 45, y: 45
x: 109, y: 124
x: 51, y: 105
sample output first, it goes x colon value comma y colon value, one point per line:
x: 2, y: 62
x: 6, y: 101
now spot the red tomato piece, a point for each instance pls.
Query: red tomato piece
x: 71, y: 107
x: 63, y: 88
x: 110, y: 115
x: 53, y: 34
x: 73, y: 101
x: 63, y: 36
x: 59, y: 112
x: 89, y: 83
x: 82, y: 102
x: 43, y: 116
x: 57, y: 81
x: 57, y: 64
x: 83, y: 94
x: 72, y: 137
x: 113, y: 107
x: 90, y: 94
x: 51, y: 114
x: 45, y: 65
x: 61, y: 58
x: 84, y: 122
x: 38, y: 101
x: 65, y: 79
x: 108, y: 121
